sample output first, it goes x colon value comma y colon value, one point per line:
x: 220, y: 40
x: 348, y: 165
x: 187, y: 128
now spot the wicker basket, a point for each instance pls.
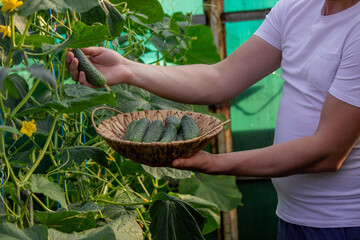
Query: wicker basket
x: 113, y: 131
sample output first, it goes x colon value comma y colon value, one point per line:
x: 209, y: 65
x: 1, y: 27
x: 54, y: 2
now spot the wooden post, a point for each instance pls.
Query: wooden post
x: 213, y: 10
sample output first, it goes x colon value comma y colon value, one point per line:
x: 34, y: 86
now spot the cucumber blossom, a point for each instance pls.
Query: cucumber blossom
x: 129, y: 129
x: 189, y: 128
x: 93, y: 76
x: 154, y: 131
x: 170, y: 133
x: 173, y: 120
x: 139, y: 130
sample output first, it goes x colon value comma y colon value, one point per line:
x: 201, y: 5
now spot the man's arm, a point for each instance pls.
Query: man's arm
x: 337, y: 133
x: 209, y: 84
x: 194, y: 84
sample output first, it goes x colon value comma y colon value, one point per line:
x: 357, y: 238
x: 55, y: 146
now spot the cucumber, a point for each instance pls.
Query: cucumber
x: 170, y: 133
x: 93, y: 76
x: 154, y: 132
x: 180, y: 137
x: 189, y: 127
x: 139, y: 130
x: 115, y: 19
x: 173, y: 120
x: 129, y: 129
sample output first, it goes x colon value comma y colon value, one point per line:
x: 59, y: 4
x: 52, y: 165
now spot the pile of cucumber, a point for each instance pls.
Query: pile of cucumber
x: 173, y: 129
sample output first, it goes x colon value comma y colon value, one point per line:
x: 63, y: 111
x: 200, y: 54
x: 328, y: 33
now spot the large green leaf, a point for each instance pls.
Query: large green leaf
x: 21, y: 87
x: 221, y: 190
x: 82, y: 153
x: 40, y: 184
x: 31, y: 6
x: 147, y: 11
x: 82, y: 36
x: 208, y: 209
x: 130, y: 98
x: 160, y: 172
x: 86, y: 36
x: 36, y: 40
x: 12, y: 231
x: 202, y: 48
x: 175, y: 219
x: 67, y: 221
x: 73, y: 105
x: 38, y: 71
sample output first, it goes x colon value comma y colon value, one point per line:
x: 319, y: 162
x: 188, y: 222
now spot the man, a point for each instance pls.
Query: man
x: 315, y: 160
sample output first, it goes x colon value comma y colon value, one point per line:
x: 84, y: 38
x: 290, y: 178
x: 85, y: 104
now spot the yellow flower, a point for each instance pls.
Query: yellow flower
x: 10, y: 5
x: 28, y: 128
x: 111, y: 158
x: 65, y: 115
x: 5, y: 30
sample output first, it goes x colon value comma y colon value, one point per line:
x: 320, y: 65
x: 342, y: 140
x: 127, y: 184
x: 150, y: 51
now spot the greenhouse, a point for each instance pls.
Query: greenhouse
x: 180, y: 119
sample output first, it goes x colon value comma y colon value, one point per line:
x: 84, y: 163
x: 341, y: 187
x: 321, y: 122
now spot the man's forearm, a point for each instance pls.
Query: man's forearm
x: 195, y: 84
x: 303, y: 155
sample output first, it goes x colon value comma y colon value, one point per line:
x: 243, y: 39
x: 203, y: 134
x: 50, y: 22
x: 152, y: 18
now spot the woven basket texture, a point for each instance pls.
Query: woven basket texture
x: 113, y: 131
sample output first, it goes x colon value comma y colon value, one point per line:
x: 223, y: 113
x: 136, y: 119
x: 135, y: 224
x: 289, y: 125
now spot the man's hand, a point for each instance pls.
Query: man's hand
x: 201, y: 162
x: 111, y: 64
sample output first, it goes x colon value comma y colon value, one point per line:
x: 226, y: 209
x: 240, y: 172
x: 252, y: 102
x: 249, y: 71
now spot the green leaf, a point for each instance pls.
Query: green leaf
x: 19, y: 85
x: 38, y: 71
x: 85, y: 207
x: 40, y: 184
x: 67, y: 221
x: 160, y: 172
x: 4, y: 72
x: 115, y: 211
x: 75, y: 90
x: 55, y: 106
x: 31, y: 6
x: 202, y: 48
x: 206, y: 208
x: 130, y: 99
x: 94, y: 15
x: 221, y: 190
x: 9, y: 129
x: 80, y: 154
x: 83, y: 103
x: 12, y: 231
x: 87, y: 36
x: 73, y: 105
x: 147, y: 11
x: 175, y: 219
x: 82, y: 36
x: 35, y: 40
x: 43, y: 126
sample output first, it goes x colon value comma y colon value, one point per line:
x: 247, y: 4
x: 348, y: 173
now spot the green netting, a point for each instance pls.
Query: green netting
x: 246, y: 5
x: 185, y: 6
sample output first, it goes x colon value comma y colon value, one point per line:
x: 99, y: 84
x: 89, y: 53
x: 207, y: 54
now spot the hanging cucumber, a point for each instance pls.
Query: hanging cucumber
x: 115, y: 19
x: 93, y: 76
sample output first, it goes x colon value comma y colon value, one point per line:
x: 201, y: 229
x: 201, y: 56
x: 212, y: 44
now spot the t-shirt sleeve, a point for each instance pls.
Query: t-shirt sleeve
x: 346, y: 85
x: 270, y: 30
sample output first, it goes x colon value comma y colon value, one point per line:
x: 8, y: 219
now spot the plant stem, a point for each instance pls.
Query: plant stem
x: 26, y: 98
x: 41, y: 203
x: 43, y: 151
x: 123, y: 204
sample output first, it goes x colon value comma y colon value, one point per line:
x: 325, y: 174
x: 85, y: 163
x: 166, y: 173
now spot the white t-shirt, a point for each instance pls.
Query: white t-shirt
x: 320, y: 55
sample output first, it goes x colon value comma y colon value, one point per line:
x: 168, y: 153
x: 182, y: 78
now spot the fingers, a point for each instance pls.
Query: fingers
x: 72, y: 65
x: 92, y: 51
x: 83, y: 81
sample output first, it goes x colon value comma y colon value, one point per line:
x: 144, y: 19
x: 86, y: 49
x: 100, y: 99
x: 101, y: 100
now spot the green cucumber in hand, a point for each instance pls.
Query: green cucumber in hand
x: 93, y: 76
